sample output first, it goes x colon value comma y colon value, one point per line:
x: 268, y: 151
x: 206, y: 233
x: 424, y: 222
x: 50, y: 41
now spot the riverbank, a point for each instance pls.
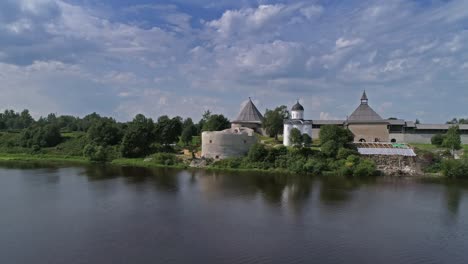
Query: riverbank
x: 73, y: 160
x: 146, y: 163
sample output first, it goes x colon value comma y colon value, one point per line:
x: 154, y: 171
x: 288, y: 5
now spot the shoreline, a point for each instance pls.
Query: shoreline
x: 139, y: 162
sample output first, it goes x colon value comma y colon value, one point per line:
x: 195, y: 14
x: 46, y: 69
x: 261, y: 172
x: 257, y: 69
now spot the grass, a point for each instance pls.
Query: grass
x: 430, y: 147
x: 41, y: 157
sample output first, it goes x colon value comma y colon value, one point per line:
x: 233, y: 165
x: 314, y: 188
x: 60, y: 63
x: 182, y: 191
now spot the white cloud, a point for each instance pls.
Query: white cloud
x: 344, y: 43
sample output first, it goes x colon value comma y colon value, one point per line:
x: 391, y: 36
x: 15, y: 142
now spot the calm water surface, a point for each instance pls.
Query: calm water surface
x: 128, y: 215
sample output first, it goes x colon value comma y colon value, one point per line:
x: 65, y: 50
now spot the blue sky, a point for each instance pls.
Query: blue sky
x: 182, y: 57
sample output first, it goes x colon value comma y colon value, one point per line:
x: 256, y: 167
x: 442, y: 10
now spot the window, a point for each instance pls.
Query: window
x: 376, y: 140
x: 245, y: 141
x: 362, y: 140
x: 211, y: 141
x: 217, y: 157
x: 393, y: 140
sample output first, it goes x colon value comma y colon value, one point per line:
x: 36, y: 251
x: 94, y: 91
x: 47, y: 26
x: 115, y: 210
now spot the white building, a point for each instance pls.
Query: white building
x: 296, y: 121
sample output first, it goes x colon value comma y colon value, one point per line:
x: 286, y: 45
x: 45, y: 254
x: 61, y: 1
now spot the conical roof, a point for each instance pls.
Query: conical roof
x: 364, y: 96
x: 364, y: 112
x: 249, y: 114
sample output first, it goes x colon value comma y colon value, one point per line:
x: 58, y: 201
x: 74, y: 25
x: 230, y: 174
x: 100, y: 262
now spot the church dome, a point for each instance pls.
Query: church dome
x: 297, y: 107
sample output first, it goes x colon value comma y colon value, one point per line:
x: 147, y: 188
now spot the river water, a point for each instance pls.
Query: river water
x: 128, y: 215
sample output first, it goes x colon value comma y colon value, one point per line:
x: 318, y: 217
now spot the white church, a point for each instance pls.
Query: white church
x: 296, y: 121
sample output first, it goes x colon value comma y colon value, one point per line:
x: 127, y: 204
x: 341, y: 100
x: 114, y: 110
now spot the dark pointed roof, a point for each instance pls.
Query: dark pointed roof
x: 364, y: 96
x: 364, y: 112
x: 297, y: 107
x: 249, y: 114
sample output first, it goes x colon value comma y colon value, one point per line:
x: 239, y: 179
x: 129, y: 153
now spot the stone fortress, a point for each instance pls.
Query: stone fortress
x: 237, y: 140
x: 367, y: 126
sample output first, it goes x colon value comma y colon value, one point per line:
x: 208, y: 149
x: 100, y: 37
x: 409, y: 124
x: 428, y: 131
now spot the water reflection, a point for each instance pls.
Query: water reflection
x: 143, y: 215
x: 453, y: 195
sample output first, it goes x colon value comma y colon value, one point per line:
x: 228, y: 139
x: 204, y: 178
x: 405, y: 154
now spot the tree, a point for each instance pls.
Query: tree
x: 187, y: 134
x: 343, y: 137
x: 437, y: 140
x: 417, y: 122
x: 452, y: 138
x: 206, y: 115
x: 138, y: 137
x: 104, y: 131
x: 295, y: 137
x: 168, y: 130
x: 273, y: 120
x: 330, y: 148
x: 306, y: 140
x: 41, y: 136
x: 216, y: 123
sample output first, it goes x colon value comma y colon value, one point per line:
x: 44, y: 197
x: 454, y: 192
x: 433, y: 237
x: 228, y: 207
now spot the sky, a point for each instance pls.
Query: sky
x: 182, y: 57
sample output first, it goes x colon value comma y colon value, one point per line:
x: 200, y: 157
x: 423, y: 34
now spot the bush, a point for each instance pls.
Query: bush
x: 257, y: 153
x: 344, y: 153
x: 437, y: 140
x: 98, y: 153
x: 455, y: 169
x: 315, y: 166
x: 330, y: 148
x: 166, y: 159
x: 42, y: 136
x: 365, y: 168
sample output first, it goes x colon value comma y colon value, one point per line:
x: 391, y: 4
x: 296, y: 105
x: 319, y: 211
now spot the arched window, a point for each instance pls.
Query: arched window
x: 376, y: 140
x: 393, y: 140
x: 362, y: 140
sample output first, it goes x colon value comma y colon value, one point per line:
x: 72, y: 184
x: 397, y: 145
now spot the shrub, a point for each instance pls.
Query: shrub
x: 257, y: 152
x: 455, y: 169
x: 330, y: 148
x: 437, y: 140
x: 98, y: 153
x: 365, y: 168
x: 344, y: 153
x: 306, y: 140
x: 315, y: 166
x: 167, y: 159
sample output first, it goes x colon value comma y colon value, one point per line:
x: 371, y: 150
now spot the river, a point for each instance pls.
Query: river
x: 95, y: 214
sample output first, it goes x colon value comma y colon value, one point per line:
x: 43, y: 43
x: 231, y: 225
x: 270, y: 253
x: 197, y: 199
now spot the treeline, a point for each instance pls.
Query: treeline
x: 337, y: 155
x: 103, y: 138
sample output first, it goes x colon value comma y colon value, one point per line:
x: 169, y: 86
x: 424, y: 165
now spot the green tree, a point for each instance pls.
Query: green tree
x: 274, y: 119
x: 216, y: 123
x: 330, y: 148
x: 138, y: 137
x: 168, y: 130
x: 188, y: 133
x: 306, y: 140
x: 452, y: 139
x: 104, y: 131
x: 295, y: 137
x: 42, y: 136
x: 343, y: 137
x: 206, y: 115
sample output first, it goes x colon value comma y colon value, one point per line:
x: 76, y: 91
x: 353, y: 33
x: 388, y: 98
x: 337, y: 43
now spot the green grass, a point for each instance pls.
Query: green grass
x: 430, y: 147
x: 41, y: 157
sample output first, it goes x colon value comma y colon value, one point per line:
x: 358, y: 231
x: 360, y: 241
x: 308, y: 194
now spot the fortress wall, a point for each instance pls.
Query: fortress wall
x: 369, y: 132
x: 226, y: 144
x: 399, y: 137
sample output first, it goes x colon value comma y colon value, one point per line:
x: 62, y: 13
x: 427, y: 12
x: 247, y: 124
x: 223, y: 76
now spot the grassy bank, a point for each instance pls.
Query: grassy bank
x: 73, y: 160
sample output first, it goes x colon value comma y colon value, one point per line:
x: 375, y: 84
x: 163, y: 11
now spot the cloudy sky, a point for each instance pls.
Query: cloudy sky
x: 181, y: 57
